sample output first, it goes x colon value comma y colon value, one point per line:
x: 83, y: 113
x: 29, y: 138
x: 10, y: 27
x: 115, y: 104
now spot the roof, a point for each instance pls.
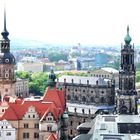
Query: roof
x: 110, y: 70
x: 53, y: 102
x: 82, y: 80
x: 83, y: 137
x: 79, y: 107
x: 108, y: 127
x: 52, y: 137
x: 54, y: 95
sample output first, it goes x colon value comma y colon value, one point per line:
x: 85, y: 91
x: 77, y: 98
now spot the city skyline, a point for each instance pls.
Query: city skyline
x: 71, y: 22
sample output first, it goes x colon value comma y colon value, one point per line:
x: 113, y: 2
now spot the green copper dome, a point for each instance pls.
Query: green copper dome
x: 127, y: 38
x: 65, y: 115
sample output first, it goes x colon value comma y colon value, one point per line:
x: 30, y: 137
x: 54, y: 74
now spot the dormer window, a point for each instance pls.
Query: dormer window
x: 49, y: 118
x: 49, y: 128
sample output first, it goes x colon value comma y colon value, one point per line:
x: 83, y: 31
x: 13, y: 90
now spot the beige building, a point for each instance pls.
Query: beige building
x: 106, y: 73
x: 35, y: 120
x: 22, y: 87
x: 30, y: 66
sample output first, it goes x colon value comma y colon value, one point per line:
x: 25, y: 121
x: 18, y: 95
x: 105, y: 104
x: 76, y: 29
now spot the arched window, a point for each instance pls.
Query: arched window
x: 92, y: 99
x: 76, y: 98
x: 83, y: 111
x: 102, y: 99
x: 83, y: 98
x: 68, y: 97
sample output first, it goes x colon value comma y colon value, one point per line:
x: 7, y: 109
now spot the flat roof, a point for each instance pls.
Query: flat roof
x: 83, y: 80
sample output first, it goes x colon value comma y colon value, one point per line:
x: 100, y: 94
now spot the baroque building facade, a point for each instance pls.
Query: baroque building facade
x: 85, y: 96
x: 124, y: 123
x: 88, y: 90
x: 9, y: 84
x: 38, y: 120
x: 7, y: 63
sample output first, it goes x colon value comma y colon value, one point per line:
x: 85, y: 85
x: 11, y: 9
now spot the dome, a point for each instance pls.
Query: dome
x: 7, y: 58
x: 127, y: 38
x: 52, y: 76
x: 65, y: 115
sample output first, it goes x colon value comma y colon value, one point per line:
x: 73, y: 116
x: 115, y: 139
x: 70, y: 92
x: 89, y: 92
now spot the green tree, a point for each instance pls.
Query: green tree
x: 23, y: 75
x: 40, y: 80
x: 55, y: 57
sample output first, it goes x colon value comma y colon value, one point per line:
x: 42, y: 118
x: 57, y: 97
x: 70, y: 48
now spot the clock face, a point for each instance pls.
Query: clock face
x: 7, y: 60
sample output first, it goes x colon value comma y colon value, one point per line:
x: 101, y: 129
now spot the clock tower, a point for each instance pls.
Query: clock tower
x: 127, y: 95
x: 7, y: 63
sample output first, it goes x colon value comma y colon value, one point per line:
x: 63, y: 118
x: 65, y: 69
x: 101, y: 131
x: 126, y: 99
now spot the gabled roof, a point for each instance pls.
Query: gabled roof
x: 9, y: 114
x: 53, y: 102
x: 56, y: 96
x: 52, y: 137
x: 55, y: 112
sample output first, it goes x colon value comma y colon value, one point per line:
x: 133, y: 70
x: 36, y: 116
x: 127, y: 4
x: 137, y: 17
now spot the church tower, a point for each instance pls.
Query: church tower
x: 7, y: 63
x: 127, y: 95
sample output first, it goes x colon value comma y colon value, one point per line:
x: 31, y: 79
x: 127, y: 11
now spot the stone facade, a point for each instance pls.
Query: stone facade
x: 127, y: 95
x: 82, y: 95
x: 87, y: 90
x: 22, y: 88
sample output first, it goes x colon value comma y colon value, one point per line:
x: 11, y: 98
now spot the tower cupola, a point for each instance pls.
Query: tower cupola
x: 127, y: 38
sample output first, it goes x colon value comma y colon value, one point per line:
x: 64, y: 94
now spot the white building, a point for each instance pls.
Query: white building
x: 7, y: 132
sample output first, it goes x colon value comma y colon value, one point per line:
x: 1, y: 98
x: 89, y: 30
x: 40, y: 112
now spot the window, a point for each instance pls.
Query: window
x: 6, y: 90
x: 71, y: 123
x: 28, y: 116
x: 2, y: 110
x: 102, y: 92
x: 25, y: 135
x: 8, y: 134
x: 36, y: 125
x: 71, y: 132
x: 36, y: 135
x: 33, y: 116
x: 84, y: 120
x: 49, y: 128
x: 26, y: 125
x: 49, y: 118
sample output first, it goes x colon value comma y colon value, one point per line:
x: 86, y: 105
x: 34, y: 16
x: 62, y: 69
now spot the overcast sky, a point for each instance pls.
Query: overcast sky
x: 73, y: 21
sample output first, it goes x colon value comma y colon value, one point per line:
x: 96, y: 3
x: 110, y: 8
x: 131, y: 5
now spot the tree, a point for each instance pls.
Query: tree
x: 55, y: 57
x: 23, y: 74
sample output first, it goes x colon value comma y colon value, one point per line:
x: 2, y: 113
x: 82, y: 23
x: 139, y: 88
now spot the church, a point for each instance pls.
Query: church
x: 124, y: 122
x: 42, y: 119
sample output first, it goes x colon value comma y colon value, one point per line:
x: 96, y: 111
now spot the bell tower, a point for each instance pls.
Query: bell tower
x: 127, y: 95
x: 7, y: 63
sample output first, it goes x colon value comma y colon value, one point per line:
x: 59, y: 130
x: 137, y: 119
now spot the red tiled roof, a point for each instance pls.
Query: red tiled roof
x: 9, y: 114
x: 53, y: 102
x: 56, y: 96
x: 52, y: 137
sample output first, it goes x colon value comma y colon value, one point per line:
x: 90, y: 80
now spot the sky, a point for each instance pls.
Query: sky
x: 73, y: 21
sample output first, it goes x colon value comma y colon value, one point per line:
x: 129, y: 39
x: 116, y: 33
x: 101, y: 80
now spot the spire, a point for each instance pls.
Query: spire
x: 127, y: 38
x: 5, y: 33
